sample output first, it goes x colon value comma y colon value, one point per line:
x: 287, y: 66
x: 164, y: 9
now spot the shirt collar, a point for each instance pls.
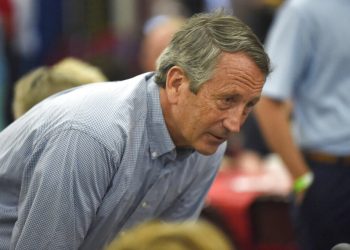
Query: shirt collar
x: 161, y: 143
x: 159, y: 137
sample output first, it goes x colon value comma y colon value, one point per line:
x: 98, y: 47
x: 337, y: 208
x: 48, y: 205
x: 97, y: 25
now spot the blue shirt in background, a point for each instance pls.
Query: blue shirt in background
x: 309, y: 48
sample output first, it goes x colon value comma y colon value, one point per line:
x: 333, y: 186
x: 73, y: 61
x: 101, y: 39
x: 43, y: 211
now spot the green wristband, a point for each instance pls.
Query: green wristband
x: 303, y: 182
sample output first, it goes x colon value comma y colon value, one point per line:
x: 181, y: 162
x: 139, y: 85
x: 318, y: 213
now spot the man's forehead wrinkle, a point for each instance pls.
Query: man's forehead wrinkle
x: 244, y: 78
x: 238, y: 71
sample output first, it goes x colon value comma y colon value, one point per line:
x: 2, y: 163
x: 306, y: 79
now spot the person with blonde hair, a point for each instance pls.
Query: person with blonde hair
x: 42, y: 82
x: 156, y: 235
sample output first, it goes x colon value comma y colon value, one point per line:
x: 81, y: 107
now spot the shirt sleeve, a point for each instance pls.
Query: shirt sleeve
x: 189, y: 205
x: 289, y: 46
x: 63, y: 185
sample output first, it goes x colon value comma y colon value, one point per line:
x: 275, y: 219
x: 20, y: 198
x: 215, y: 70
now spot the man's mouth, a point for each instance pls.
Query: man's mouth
x: 218, y: 138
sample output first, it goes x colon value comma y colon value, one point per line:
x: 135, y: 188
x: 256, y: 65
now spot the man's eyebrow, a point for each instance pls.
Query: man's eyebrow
x: 235, y: 96
x: 230, y: 95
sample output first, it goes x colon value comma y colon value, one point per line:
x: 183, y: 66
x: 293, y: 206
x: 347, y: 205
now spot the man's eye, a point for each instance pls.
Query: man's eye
x: 227, y: 102
x: 249, y: 107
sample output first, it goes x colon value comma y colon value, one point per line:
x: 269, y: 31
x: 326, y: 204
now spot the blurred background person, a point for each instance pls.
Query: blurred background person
x: 157, y: 235
x: 257, y: 14
x: 158, y: 32
x: 40, y: 83
x: 309, y: 49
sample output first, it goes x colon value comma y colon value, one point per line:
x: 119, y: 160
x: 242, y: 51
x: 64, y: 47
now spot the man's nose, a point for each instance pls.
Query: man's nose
x: 233, y: 120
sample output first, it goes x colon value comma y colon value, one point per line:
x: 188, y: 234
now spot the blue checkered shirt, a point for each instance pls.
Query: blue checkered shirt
x: 92, y: 161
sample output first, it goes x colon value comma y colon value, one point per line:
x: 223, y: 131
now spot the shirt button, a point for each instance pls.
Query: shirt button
x: 144, y: 204
x: 154, y: 154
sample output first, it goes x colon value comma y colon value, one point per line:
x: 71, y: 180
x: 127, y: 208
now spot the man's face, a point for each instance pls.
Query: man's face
x: 205, y: 120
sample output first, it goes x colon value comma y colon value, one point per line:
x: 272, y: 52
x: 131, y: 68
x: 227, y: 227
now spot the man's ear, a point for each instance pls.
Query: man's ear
x: 175, y: 83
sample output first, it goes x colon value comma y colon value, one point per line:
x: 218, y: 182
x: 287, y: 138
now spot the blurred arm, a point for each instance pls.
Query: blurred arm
x: 273, y: 117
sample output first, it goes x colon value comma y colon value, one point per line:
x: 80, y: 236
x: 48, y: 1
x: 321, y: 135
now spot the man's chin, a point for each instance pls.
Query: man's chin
x: 207, y: 149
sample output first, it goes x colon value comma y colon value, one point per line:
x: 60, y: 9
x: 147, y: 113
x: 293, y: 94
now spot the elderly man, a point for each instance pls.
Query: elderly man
x: 89, y: 162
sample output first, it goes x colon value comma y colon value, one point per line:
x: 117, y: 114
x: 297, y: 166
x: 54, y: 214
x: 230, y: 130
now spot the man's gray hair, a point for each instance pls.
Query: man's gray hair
x: 197, y: 46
